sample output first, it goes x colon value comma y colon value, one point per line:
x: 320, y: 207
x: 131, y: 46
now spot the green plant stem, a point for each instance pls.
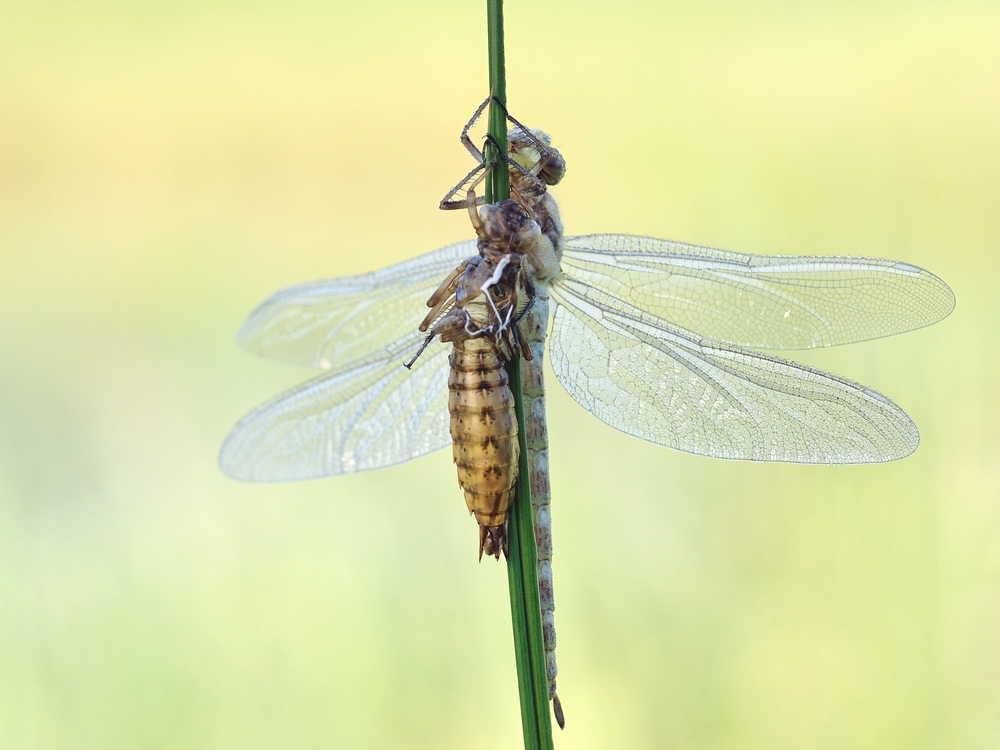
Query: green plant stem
x: 525, y: 608
x: 498, y: 181
x: 522, y: 556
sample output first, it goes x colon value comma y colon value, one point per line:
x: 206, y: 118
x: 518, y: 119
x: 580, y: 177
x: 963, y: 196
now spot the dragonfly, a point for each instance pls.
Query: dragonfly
x: 661, y: 340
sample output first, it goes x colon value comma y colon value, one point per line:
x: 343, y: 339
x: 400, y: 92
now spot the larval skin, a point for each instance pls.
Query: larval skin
x: 484, y: 437
x: 481, y: 298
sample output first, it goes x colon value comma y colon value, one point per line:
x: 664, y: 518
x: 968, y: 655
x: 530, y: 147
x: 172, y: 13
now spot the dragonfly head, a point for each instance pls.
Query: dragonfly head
x: 526, y: 152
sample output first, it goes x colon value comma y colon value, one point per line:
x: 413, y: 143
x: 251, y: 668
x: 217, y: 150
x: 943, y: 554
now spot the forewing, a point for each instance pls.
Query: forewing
x: 716, y: 399
x: 373, y: 415
x: 336, y: 323
x: 763, y: 302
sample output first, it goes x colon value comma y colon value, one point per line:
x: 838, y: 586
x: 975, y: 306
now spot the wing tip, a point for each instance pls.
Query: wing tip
x: 229, y: 459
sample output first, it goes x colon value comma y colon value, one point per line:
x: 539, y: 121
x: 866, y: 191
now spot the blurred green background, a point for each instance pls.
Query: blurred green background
x: 164, y: 166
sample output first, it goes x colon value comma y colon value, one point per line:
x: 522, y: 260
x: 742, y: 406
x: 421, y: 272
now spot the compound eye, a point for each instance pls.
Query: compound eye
x: 499, y: 291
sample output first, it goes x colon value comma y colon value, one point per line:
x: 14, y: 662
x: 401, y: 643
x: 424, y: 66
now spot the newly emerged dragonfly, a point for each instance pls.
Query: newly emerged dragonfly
x: 655, y: 338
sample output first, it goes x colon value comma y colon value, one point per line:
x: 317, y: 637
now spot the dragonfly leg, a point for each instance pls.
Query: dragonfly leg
x: 522, y: 342
x: 533, y: 189
x: 529, y: 287
x: 420, y: 351
x: 528, y: 187
x: 442, y: 295
x: 547, y: 170
x: 466, y: 141
x: 472, y: 203
x: 545, y: 150
x: 550, y: 166
x: 449, y: 203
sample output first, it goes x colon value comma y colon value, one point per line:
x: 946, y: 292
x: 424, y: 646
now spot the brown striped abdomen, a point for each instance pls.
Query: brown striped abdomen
x: 484, y: 437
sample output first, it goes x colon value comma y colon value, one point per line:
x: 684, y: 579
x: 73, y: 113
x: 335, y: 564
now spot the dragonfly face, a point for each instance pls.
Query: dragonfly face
x: 532, y: 149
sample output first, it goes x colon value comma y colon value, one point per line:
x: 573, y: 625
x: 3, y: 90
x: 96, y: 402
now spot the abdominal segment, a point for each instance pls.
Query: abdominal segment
x: 484, y: 437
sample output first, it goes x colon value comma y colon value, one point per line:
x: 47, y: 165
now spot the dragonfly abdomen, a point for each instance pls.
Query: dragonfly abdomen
x: 484, y: 437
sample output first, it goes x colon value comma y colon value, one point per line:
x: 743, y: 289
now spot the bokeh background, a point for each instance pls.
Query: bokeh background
x: 164, y: 166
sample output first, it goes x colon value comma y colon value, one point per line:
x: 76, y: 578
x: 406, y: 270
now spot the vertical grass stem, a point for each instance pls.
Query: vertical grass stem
x: 522, y: 557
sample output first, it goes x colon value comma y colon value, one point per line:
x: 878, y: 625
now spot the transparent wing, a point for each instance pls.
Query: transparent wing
x: 663, y: 385
x: 366, y: 416
x: 763, y: 302
x: 336, y: 322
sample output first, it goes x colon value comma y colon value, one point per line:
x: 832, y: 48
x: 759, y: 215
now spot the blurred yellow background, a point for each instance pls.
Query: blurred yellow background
x: 164, y: 166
